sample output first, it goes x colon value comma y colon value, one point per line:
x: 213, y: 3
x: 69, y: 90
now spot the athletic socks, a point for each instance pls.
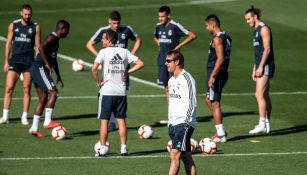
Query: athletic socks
x: 220, y: 130
x: 24, y: 115
x: 48, y: 113
x: 35, y: 122
x: 5, y: 115
x: 262, y: 121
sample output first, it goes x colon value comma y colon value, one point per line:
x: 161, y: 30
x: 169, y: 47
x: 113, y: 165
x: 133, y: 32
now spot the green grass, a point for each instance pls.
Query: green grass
x: 238, y: 156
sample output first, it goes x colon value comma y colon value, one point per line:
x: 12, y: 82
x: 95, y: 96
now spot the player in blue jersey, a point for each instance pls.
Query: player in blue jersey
x: 23, y: 39
x: 217, y: 74
x: 44, y: 65
x: 263, y: 69
x: 167, y: 36
x: 124, y: 33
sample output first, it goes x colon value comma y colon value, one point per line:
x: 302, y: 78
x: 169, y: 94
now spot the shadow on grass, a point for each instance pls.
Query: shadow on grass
x: 278, y: 132
x: 225, y: 114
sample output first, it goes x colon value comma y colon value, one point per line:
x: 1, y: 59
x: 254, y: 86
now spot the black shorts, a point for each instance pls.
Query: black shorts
x: 19, y: 68
x: 112, y: 104
x: 219, y: 82
x: 180, y: 135
x: 41, y: 78
x: 163, y: 75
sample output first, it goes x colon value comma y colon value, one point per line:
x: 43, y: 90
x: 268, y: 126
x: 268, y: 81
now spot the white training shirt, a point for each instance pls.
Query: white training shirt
x: 115, y: 62
x: 182, y: 99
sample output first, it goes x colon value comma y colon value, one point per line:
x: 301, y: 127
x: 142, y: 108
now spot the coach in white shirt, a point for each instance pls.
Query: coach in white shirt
x: 181, y: 113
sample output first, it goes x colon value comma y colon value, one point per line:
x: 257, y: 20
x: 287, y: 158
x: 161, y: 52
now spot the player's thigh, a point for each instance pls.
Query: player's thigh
x: 11, y: 79
x: 27, y: 80
x: 262, y: 85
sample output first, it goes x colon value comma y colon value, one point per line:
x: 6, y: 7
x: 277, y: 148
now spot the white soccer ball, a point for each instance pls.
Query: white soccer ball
x: 194, y: 145
x: 145, y: 131
x: 100, y: 149
x: 207, y: 146
x: 78, y: 65
x: 58, y: 133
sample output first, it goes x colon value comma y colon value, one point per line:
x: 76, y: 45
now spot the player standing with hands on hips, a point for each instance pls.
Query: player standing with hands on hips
x: 181, y: 113
x: 217, y: 74
x: 167, y: 37
x: 124, y: 33
x: 113, y: 93
x: 263, y: 69
x: 22, y: 35
x: 45, y: 63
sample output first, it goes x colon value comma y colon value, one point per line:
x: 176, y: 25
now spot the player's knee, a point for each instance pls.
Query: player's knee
x: 53, y: 95
x: 9, y: 90
x: 26, y: 90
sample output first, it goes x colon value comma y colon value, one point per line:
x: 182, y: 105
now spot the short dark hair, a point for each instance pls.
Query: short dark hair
x: 26, y: 6
x: 115, y: 16
x: 177, y: 56
x: 112, y: 36
x: 165, y: 9
x: 254, y: 11
x: 213, y: 18
x: 62, y: 24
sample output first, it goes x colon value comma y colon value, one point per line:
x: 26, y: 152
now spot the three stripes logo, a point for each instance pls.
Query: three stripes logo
x: 117, y: 59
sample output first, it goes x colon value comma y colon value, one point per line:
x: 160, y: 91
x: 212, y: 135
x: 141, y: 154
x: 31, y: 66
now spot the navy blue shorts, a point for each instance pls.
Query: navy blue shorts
x: 269, y: 70
x: 41, y: 78
x: 112, y: 104
x: 163, y: 75
x: 180, y: 135
x: 19, y: 68
x: 219, y: 82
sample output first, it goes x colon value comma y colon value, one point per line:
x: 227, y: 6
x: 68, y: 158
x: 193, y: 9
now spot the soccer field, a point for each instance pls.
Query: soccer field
x: 283, y: 151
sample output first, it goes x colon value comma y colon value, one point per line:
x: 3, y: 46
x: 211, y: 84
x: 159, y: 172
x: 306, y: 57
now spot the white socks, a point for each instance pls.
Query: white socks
x: 24, y: 115
x: 34, y: 126
x: 48, y: 113
x: 123, y: 148
x: 5, y: 115
x: 220, y: 130
x: 262, y: 121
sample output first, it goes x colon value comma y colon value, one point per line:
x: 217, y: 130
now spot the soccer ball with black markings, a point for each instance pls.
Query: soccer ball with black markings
x: 101, y: 150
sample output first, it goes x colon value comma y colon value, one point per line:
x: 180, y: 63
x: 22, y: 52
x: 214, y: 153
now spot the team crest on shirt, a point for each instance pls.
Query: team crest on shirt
x: 170, y: 32
x: 123, y: 36
x: 16, y: 30
x: 30, y: 30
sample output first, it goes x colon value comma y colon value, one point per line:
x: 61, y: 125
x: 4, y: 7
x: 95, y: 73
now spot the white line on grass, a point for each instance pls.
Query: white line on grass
x: 163, y: 95
x: 131, y: 7
x: 151, y: 156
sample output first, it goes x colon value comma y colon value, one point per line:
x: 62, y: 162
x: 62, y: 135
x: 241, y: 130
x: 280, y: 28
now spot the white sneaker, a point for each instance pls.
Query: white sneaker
x: 217, y: 138
x: 24, y: 121
x: 268, y: 128
x: 258, y: 130
x: 2, y: 121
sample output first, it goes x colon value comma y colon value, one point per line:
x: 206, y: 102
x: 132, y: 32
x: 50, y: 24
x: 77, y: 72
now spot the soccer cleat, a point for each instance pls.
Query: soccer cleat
x: 258, y: 130
x: 112, y: 127
x: 36, y: 133
x: 24, y: 121
x: 217, y: 138
x: 268, y: 127
x: 52, y: 125
x: 2, y: 121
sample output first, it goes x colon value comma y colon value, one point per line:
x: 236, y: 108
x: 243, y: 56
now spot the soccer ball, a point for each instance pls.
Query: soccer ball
x: 100, y: 149
x: 207, y: 146
x: 58, y: 133
x: 78, y: 65
x: 145, y: 131
x: 194, y: 145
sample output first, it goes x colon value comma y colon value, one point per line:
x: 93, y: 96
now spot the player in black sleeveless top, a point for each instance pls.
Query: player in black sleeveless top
x: 23, y: 36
